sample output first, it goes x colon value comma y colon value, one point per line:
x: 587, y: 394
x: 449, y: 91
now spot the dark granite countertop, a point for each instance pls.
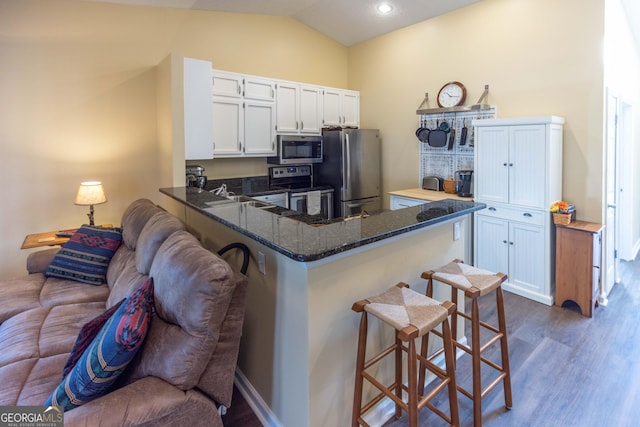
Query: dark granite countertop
x: 309, y: 238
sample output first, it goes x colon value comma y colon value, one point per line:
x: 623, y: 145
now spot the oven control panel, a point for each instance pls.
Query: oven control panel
x: 289, y: 171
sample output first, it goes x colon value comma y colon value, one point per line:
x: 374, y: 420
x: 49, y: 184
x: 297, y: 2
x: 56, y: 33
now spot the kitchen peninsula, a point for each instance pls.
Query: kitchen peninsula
x: 298, y: 348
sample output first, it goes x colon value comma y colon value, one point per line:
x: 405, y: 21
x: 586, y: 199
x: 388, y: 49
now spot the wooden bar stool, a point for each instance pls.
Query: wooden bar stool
x: 412, y: 315
x: 476, y: 282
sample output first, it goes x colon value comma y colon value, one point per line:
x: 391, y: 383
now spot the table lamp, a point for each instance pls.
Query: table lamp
x: 90, y: 193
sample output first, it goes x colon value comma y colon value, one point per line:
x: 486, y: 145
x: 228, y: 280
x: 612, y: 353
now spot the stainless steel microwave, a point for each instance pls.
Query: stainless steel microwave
x: 297, y: 149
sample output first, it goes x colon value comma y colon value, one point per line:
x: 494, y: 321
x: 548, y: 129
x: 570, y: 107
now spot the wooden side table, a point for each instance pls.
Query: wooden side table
x: 578, y: 254
x: 43, y: 239
x: 48, y: 238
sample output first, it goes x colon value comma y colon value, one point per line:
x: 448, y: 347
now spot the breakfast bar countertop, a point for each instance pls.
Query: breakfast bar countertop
x: 309, y: 238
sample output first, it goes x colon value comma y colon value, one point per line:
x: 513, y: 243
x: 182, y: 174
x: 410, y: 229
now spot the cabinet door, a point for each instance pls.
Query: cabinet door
x: 331, y: 107
x: 492, y: 164
x: 259, y: 89
x: 287, y: 108
x: 492, y: 244
x: 527, y: 257
x: 310, y: 109
x: 227, y: 84
x: 198, y: 117
x: 351, y: 108
x: 259, y: 128
x: 227, y: 132
x: 527, y: 170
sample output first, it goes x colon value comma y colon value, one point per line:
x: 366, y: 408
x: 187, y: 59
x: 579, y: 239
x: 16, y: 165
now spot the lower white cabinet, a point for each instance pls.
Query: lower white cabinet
x: 514, y: 242
x: 399, y: 202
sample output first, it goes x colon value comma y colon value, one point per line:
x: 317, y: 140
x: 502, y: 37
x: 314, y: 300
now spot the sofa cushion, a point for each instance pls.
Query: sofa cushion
x: 109, y: 353
x: 193, y: 288
x: 86, y: 336
x: 155, y: 231
x: 134, y: 218
x: 86, y: 256
x: 44, y: 331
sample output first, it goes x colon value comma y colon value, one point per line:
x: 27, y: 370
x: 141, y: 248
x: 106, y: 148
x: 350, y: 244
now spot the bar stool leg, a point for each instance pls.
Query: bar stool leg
x: 398, y: 365
x: 475, y: 360
x: 357, y: 395
x: 504, y: 348
x: 450, y: 364
x: 412, y: 384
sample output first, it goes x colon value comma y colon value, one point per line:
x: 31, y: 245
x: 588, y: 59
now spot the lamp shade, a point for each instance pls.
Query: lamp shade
x: 90, y: 193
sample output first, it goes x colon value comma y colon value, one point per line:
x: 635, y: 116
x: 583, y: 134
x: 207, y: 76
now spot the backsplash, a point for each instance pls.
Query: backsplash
x: 440, y: 161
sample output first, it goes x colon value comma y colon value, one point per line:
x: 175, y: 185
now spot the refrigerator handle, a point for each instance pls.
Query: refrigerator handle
x: 356, y: 205
x: 347, y: 157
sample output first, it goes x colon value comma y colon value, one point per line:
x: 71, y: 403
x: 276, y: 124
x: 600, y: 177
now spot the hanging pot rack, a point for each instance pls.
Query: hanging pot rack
x: 423, y: 108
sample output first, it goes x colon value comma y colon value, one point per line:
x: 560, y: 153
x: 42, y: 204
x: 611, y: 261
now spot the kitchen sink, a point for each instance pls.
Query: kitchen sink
x: 243, y: 200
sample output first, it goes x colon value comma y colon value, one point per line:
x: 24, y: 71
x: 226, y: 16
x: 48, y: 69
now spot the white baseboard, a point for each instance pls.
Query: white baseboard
x: 376, y: 417
x: 260, y: 408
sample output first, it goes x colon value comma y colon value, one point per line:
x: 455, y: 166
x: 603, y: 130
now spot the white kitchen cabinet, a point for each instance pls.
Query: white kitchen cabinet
x: 259, y: 89
x: 227, y: 84
x: 198, y: 124
x: 228, y: 130
x: 515, y: 248
x: 341, y: 107
x: 259, y: 128
x: 518, y: 174
x: 519, y: 164
x: 245, y: 128
x: 244, y: 115
x: 399, y: 202
x: 298, y: 108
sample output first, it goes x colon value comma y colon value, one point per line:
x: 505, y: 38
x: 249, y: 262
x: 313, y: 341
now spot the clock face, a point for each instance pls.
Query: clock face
x: 451, y: 95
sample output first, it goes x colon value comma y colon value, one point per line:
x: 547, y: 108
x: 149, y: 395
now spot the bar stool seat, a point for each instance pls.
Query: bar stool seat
x: 476, y: 282
x: 413, y: 315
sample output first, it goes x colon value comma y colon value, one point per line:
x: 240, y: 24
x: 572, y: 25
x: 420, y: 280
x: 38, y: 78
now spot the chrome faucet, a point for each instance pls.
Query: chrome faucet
x: 221, y: 191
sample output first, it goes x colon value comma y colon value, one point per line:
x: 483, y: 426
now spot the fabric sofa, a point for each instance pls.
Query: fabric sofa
x: 184, y: 371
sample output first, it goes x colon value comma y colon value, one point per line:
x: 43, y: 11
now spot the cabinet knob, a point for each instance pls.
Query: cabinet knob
x: 510, y: 164
x: 301, y: 125
x: 492, y: 209
x: 504, y: 164
x: 511, y: 243
x: 527, y: 214
x: 504, y: 241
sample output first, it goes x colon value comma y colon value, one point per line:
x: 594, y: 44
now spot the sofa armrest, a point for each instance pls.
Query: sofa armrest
x: 148, y: 401
x: 37, y: 262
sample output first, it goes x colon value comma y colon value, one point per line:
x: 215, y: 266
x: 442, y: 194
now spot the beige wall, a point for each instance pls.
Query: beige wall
x: 539, y: 57
x: 78, y: 94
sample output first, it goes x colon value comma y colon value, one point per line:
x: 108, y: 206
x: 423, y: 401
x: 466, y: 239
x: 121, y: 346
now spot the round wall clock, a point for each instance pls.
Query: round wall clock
x: 452, y: 94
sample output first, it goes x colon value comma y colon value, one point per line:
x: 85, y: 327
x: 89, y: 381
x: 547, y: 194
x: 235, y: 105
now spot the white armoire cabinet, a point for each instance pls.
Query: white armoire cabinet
x: 518, y: 175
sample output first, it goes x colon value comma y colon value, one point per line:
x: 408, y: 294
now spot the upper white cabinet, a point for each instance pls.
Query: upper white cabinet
x: 248, y: 111
x: 518, y: 174
x: 298, y: 108
x: 341, y: 107
x: 244, y: 115
x: 198, y: 125
x: 519, y: 164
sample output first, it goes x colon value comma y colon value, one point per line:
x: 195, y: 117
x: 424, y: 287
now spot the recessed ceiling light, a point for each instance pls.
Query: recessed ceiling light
x: 385, y: 8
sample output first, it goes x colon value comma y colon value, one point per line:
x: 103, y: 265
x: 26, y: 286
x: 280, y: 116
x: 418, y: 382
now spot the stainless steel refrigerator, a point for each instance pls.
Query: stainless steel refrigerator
x: 351, y: 165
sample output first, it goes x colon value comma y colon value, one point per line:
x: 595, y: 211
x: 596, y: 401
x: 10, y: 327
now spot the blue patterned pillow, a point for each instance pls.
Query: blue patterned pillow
x: 109, y: 353
x: 85, y: 256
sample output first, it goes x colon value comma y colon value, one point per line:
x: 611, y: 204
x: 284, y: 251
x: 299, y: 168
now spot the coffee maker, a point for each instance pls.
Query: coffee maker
x: 464, y: 180
x: 195, y: 177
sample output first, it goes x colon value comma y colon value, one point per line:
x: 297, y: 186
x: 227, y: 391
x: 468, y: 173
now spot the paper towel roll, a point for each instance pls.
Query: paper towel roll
x: 313, y: 202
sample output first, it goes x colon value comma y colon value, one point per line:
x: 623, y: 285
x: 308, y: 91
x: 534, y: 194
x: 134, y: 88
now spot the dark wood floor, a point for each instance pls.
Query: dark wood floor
x: 566, y: 369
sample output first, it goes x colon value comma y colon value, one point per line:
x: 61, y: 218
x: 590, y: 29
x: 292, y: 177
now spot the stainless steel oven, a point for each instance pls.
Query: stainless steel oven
x: 297, y: 150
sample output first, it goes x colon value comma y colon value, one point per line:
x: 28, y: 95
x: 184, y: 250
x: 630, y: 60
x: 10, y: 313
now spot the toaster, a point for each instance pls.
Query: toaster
x: 432, y: 183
